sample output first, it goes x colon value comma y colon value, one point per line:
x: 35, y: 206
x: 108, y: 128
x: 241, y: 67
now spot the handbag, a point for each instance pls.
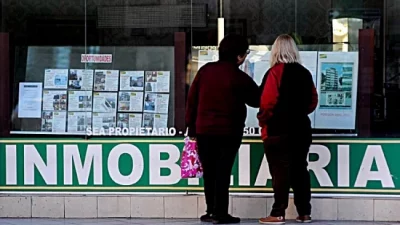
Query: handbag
x: 190, y: 161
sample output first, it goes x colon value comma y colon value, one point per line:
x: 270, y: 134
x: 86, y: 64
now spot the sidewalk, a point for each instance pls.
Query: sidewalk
x: 152, y: 222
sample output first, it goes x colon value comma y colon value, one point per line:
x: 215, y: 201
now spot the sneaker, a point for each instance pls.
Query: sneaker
x: 207, y: 218
x: 304, y: 219
x: 228, y: 219
x: 272, y: 220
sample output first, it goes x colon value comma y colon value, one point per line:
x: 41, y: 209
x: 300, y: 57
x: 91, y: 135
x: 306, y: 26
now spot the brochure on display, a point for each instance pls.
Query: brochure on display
x: 334, y: 75
x: 80, y: 101
x: 131, y: 81
x: 105, y: 102
x: 104, y: 121
x: 156, y: 103
x: 56, y: 79
x: 130, y: 101
x: 54, y: 121
x: 54, y: 100
x: 78, y: 122
x: 106, y: 80
x: 129, y: 120
x: 80, y: 80
x: 155, y: 121
x: 157, y: 81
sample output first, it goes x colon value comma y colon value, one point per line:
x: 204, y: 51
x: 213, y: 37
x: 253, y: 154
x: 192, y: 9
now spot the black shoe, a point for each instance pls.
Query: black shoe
x: 228, y: 219
x: 207, y: 218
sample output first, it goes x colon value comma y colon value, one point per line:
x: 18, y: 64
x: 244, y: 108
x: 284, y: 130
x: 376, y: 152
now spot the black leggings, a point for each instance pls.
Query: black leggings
x: 217, y: 155
x: 287, y: 159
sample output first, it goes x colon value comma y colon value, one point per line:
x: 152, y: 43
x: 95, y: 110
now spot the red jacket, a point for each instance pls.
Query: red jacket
x: 288, y: 96
x: 217, y: 99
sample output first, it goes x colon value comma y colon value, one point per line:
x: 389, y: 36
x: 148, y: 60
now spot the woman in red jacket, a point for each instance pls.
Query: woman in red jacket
x: 288, y: 97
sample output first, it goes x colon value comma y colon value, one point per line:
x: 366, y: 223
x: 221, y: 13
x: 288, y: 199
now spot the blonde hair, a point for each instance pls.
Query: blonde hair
x: 284, y: 50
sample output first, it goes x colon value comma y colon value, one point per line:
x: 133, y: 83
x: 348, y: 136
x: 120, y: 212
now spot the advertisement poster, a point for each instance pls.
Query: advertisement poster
x: 106, y: 80
x: 157, y: 81
x: 155, y: 121
x: 206, y: 56
x: 130, y: 101
x: 156, y: 103
x: 79, y: 101
x: 54, y: 121
x: 129, y: 120
x: 104, y: 121
x: 78, y: 122
x: 55, y: 79
x: 337, y: 88
x: 54, y: 100
x: 80, y: 80
x: 30, y: 100
x: 131, y: 81
x: 105, y: 102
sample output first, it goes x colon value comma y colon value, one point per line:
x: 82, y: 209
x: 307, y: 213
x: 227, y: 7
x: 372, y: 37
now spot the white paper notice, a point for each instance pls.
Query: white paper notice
x: 80, y: 80
x: 130, y: 101
x: 54, y: 121
x: 79, y: 101
x: 206, y: 56
x: 155, y: 121
x: 106, y: 80
x: 130, y: 120
x: 131, y: 81
x: 105, y: 102
x: 30, y: 100
x: 79, y: 121
x: 156, y: 103
x: 337, y: 87
x: 309, y: 60
x: 56, y: 78
x: 157, y: 81
x: 104, y: 121
x: 54, y: 100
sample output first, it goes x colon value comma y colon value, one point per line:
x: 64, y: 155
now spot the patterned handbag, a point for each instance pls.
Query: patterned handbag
x: 190, y: 162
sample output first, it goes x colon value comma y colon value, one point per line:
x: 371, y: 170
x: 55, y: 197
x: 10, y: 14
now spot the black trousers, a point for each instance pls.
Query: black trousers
x: 217, y: 155
x: 287, y: 159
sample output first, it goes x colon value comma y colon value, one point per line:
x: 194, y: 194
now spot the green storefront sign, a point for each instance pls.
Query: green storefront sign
x: 350, y: 166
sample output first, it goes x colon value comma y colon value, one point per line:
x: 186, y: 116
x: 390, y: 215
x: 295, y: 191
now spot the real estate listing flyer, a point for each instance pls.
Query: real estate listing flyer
x: 206, y: 56
x: 104, y: 121
x: 56, y: 79
x: 54, y: 121
x: 130, y: 120
x: 79, y: 101
x: 105, y: 102
x: 155, y: 121
x: 79, y: 121
x: 337, y: 88
x: 54, y: 100
x: 106, y: 80
x: 157, y: 81
x: 130, y: 101
x: 79, y: 79
x: 156, y: 103
x: 131, y: 80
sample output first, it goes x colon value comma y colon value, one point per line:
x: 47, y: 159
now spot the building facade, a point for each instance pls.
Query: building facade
x: 93, y: 99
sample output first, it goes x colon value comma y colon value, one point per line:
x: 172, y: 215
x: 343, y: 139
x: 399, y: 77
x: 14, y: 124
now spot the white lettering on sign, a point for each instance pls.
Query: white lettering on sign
x: 33, y: 159
x: 156, y: 164
x: 318, y: 167
x: 11, y: 164
x: 244, y: 165
x: 343, y: 166
x: 263, y: 173
x: 72, y: 158
x: 96, y: 58
x: 374, y: 153
x: 113, y: 164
